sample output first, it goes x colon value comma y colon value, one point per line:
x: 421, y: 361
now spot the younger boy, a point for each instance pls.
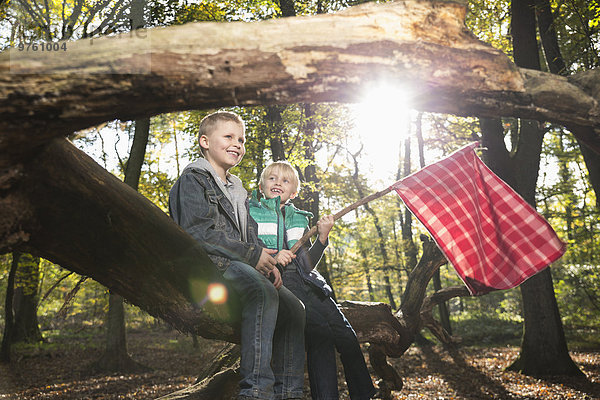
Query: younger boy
x: 212, y: 206
x: 280, y: 225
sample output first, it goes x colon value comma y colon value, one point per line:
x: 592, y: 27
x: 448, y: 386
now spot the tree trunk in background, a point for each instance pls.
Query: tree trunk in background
x: 564, y: 175
x: 384, y: 255
x: 310, y: 191
x: 545, y: 22
x: 380, y: 238
x: 543, y: 347
x: 556, y: 65
x: 26, y: 327
x: 133, y: 169
x: 287, y: 8
x: 273, y: 113
x: 410, y: 249
x: 437, y: 281
x: 365, y: 266
x: 497, y: 157
x: 592, y: 162
x: 442, y: 307
x: 116, y: 357
x: 259, y: 158
x: 8, y: 310
x: 399, y: 246
x: 275, y: 131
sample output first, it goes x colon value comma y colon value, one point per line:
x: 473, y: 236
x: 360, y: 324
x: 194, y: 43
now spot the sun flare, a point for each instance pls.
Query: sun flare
x: 382, y: 121
x: 217, y: 293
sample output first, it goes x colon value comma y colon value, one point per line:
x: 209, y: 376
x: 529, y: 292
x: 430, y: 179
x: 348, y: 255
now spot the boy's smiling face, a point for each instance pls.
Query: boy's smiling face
x: 278, y: 184
x: 224, y: 146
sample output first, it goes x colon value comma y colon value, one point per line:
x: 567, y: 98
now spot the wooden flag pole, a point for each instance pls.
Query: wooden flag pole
x: 340, y: 214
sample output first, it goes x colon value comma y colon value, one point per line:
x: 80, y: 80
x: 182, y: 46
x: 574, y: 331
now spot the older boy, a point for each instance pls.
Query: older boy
x: 280, y: 225
x: 212, y: 206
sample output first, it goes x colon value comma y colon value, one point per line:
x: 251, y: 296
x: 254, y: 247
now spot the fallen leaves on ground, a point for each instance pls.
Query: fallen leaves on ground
x: 60, y: 372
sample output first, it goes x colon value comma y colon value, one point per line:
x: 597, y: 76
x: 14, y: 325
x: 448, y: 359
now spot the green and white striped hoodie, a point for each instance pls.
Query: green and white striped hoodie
x: 268, y: 216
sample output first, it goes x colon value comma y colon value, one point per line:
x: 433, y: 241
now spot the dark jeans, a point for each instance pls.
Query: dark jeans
x: 326, y: 330
x: 272, y: 351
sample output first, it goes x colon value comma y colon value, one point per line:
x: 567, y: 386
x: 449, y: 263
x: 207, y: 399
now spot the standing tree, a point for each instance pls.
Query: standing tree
x: 116, y: 357
x: 27, y: 280
x: 544, y: 347
x: 8, y: 311
x: 380, y: 236
x: 557, y: 65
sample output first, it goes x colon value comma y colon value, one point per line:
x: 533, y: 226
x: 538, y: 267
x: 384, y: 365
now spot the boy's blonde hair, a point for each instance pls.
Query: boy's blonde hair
x: 283, y: 168
x: 209, y: 123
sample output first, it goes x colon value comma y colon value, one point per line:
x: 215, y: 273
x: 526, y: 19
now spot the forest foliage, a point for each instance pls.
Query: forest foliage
x: 339, y: 162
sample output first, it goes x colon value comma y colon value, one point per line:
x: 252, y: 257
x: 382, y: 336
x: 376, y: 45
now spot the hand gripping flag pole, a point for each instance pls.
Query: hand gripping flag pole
x: 490, y: 234
x: 339, y: 215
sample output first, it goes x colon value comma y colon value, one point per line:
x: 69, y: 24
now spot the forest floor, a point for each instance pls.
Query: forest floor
x: 60, y: 370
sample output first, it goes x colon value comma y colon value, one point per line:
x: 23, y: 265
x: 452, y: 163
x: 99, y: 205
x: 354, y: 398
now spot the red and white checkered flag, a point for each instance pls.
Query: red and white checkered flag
x: 490, y: 234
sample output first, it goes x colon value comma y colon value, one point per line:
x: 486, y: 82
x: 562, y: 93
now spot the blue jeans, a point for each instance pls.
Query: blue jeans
x: 272, y: 336
x: 327, y: 329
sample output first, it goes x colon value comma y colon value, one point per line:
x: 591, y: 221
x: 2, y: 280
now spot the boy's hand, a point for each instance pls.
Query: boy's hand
x: 277, y: 281
x: 284, y: 257
x: 324, y: 226
x: 266, y: 262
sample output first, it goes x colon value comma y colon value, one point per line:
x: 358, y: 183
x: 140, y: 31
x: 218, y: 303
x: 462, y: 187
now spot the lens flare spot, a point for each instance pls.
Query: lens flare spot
x: 217, y: 293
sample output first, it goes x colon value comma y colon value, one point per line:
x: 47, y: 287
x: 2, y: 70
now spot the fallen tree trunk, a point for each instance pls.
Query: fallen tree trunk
x: 423, y: 46
x: 68, y: 209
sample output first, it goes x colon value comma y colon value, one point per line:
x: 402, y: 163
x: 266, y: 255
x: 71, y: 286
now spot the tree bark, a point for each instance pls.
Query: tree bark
x: 117, y: 237
x: 275, y: 130
x: 8, y: 311
x: 137, y: 153
x: 420, y: 44
x: 592, y: 162
x: 365, y: 266
x: 310, y: 199
x: 410, y: 249
x: 543, y: 348
x: 545, y: 22
x: 116, y: 357
x: 287, y: 8
x: 556, y: 65
x: 442, y: 307
x: 380, y: 237
x: 26, y: 327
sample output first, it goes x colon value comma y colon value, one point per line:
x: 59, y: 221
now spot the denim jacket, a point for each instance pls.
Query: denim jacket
x: 198, y: 204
